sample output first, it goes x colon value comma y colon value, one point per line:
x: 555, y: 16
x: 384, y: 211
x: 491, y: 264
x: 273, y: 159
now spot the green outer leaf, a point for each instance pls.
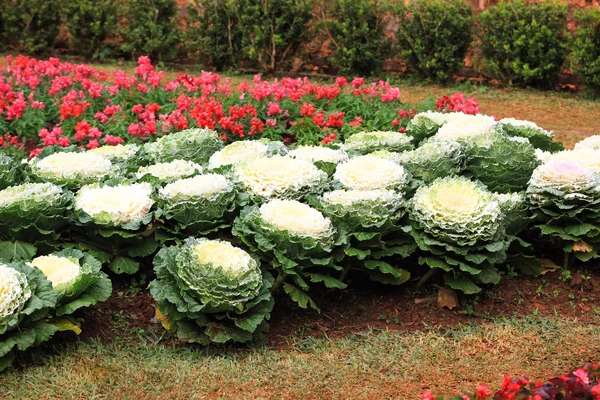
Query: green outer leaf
x: 299, y: 296
x: 16, y: 251
x: 124, y: 265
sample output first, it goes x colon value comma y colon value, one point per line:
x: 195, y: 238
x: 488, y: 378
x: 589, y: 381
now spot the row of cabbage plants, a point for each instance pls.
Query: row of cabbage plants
x: 225, y: 226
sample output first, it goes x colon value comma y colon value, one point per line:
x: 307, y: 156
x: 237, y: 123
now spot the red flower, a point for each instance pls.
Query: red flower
x: 307, y: 110
x: 483, y: 392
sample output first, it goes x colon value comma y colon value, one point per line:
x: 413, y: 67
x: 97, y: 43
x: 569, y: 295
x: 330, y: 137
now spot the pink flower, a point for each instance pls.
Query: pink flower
x: 357, y: 82
x: 274, y: 109
x: 582, y: 375
x: 341, y: 81
x: 92, y: 144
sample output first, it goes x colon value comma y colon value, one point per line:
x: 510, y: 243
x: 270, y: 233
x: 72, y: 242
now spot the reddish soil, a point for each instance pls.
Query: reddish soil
x: 364, y: 305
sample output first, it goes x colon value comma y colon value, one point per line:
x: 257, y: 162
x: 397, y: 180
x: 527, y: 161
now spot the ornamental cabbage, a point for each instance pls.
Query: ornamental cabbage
x: 76, y: 277
x: 123, y: 205
x: 169, y: 171
x: 592, y: 142
x: 295, y: 239
x: 588, y: 158
x: 368, y: 142
x: 370, y: 220
x: 426, y: 124
x: 465, y: 126
x: 461, y: 227
x: 117, y: 154
x: 126, y: 157
x: 538, y: 137
x: 515, y: 209
x: 210, y: 291
x: 319, y: 153
x: 566, y: 197
x: 199, y: 204
x: 72, y: 169
x: 282, y: 177
x: 117, y: 220
x: 10, y: 171
x: 195, y: 145
x: 33, y: 209
x: 370, y: 172
x: 237, y: 152
x: 434, y: 159
x: 503, y: 163
x: 26, y: 299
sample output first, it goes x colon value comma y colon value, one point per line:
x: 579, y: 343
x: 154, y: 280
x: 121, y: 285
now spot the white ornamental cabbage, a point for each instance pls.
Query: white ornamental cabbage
x: 62, y: 272
x: 118, y: 153
x: 426, y: 124
x: 319, y: 153
x: 368, y: 142
x: 434, y: 159
x: 280, y: 177
x: 195, y: 145
x: 542, y: 156
x: 28, y: 195
x: 465, y: 126
x: 205, y: 186
x: 518, y: 123
x: 363, y: 210
x: 370, y: 172
x: 237, y: 152
x: 458, y: 211
x: 169, y: 171
x: 72, y: 169
x: 14, y: 292
x: 210, y: 291
x: 588, y: 158
x: 43, y: 205
x: 199, y: 204
x: 115, y: 205
x: 564, y: 176
x: 592, y: 142
x: 297, y: 218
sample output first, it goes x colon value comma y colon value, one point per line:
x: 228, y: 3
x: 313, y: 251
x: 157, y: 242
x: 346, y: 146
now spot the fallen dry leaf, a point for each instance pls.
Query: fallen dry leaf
x: 447, y: 297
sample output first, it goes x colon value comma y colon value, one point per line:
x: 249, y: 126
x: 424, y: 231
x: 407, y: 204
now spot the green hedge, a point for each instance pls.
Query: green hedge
x: 517, y: 43
x: 585, y: 52
x: 434, y: 36
x: 523, y: 43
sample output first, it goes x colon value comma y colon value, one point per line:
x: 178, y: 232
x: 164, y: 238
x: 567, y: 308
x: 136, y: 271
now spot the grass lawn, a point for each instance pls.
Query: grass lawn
x: 371, y: 365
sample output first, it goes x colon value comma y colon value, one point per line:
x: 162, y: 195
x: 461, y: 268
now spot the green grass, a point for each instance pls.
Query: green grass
x: 373, y: 365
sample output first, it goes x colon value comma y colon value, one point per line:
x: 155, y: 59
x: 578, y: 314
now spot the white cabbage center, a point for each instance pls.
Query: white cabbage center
x: 58, y: 270
x: 295, y: 217
x: 12, y: 293
x: 369, y: 172
x: 72, y: 164
x: 124, y: 203
x: 170, y: 170
x: 237, y: 152
x: 273, y: 175
x: 222, y: 255
x: 201, y: 185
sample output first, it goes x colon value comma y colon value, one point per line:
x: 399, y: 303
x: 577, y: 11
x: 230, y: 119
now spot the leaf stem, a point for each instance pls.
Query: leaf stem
x: 278, y: 282
x: 426, y: 277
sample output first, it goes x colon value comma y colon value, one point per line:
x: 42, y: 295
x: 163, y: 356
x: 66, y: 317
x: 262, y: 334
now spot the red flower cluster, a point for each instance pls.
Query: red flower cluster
x: 583, y: 383
x: 54, y: 103
x: 459, y: 103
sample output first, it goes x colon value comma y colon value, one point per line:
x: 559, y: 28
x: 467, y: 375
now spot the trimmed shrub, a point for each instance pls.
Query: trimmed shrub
x: 358, y: 31
x: 434, y: 36
x: 273, y: 30
x: 89, y: 22
x: 32, y: 25
x: 213, y: 35
x: 523, y: 43
x: 150, y: 29
x: 585, y: 53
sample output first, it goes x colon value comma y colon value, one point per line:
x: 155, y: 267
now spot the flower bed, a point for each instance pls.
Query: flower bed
x: 48, y: 103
